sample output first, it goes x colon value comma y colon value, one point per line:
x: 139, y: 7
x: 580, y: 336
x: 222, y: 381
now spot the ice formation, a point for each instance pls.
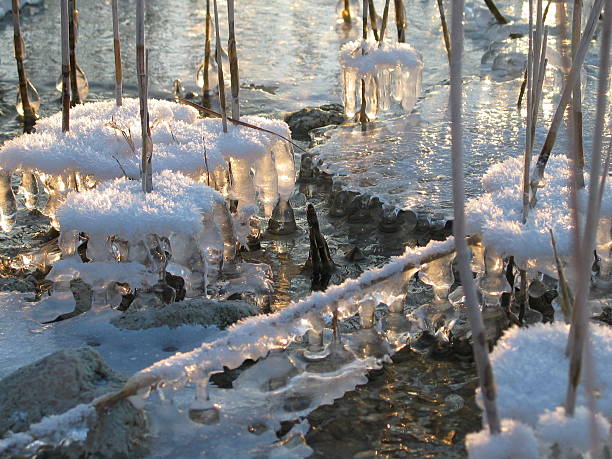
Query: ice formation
x: 250, y: 165
x: 390, y: 72
x: 496, y: 215
x: 317, y: 368
x: 181, y: 222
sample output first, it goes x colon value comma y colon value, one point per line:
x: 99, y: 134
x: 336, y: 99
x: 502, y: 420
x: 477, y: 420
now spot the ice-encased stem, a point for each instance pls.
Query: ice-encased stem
x: 479, y: 342
x: 65, y: 68
x: 29, y: 114
x: 220, y: 69
x: 117, y: 51
x: 141, y: 69
x: 581, y: 346
x: 8, y: 205
x: 233, y: 58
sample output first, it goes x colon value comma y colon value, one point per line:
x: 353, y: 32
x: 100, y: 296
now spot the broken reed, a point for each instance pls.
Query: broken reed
x: 479, y: 341
x: 141, y: 70
x: 117, y: 51
x: 65, y: 67
x: 29, y: 114
x: 220, y: 69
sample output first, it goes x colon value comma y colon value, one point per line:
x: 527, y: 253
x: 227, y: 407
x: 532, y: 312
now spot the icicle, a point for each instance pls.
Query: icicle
x: 439, y: 274
x: 493, y: 283
x: 411, y: 88
x: 384, y: 78
x: 98, y: 248
x: 243, y: 188
x: 224, y: 223
x: 315, y: 333
x: 68, y: 242
x: 367, y: 308
x: 348, y: 91
x: 603, y: 248
x: 284, y: 162
x: 266, y: 183
x: 8, y: 204
x: 371, y: 96
x: 29, y: 190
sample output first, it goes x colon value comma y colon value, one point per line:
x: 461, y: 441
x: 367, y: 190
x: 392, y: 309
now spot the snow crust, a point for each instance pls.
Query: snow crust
x: 120, y: 207
x: 497, y: 214
x: 515, y: 440
x: 366, y: 56
x: 94, y: 147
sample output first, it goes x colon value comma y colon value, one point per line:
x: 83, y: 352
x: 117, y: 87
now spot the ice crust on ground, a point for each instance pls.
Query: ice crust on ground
x: 389, y: 71
x: 497, y: 214
x: 120, y: 207
x: 6, y: 5
x: 531, y: 370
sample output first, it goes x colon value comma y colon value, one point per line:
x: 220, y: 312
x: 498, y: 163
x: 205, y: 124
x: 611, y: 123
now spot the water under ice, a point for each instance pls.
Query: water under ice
x: 377, y: 74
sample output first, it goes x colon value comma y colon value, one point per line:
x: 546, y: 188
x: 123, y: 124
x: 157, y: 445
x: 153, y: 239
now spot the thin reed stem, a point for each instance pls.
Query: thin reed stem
x: 65, y: 67
x: 141, y: 69
x: 72, y: 31
x: 29, y: 114
x: 220, y: 69
x: 233, y: 58
x: 400, y: 20
x: 117, y: 50
x: 383, y: 27
x: 444, y: 29
x: 373, y: 23
x: 479, y: 341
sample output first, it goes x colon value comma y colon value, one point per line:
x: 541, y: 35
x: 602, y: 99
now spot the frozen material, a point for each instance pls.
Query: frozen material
x: 497, y: 215
x: 515, y: 440
x: 531, y: 369
x: 570, y: 433
x: 389, y: 71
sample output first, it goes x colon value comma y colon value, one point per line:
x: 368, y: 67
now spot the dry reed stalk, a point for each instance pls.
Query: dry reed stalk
x: 233, y: 61
x: 141, y: 69
x: 479, y: 341
x: 65, y: 68
x: 575, y: 113
x: 383, y: 27
x: 528, y: 143
x: 495, y: 12
x: 72, y: 31
x: 537, y: 90
x: 117, y: 50
x: 566, y: 296
x: 581, y: 346
x: 400, y: 20
x: 220, y: 69
x: 29, y: 114
x: 568, y: 87
x: 373, y: 23
x: 205, y: 75
x: 444, y: 29
x: 346, y: 12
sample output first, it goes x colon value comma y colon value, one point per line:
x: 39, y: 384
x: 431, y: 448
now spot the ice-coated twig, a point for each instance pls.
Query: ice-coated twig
x: 65, y: 68
x: 117, y: 51
x: 141, y: 69
x: 538, y: 173
x: 220, y: 68
x: 238, y: 122
x: 479, y: 341
x: 581, y: 347
x: 29, y: 114
x: 233, y: 61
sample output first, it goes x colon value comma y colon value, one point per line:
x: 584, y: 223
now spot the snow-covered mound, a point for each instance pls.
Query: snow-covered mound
x: 496, y: 215
x: 390, y: 71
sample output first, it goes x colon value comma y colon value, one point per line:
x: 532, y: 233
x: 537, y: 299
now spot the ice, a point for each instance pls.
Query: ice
x: 493, y: 281
x: 388, y: 70
x: 439, y: 275
x: 604, y: 252
x: 8, y: 204
x: 266, y: 183
x: 82, y: 83
x: 33, y: 98
x: 29, y: 190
